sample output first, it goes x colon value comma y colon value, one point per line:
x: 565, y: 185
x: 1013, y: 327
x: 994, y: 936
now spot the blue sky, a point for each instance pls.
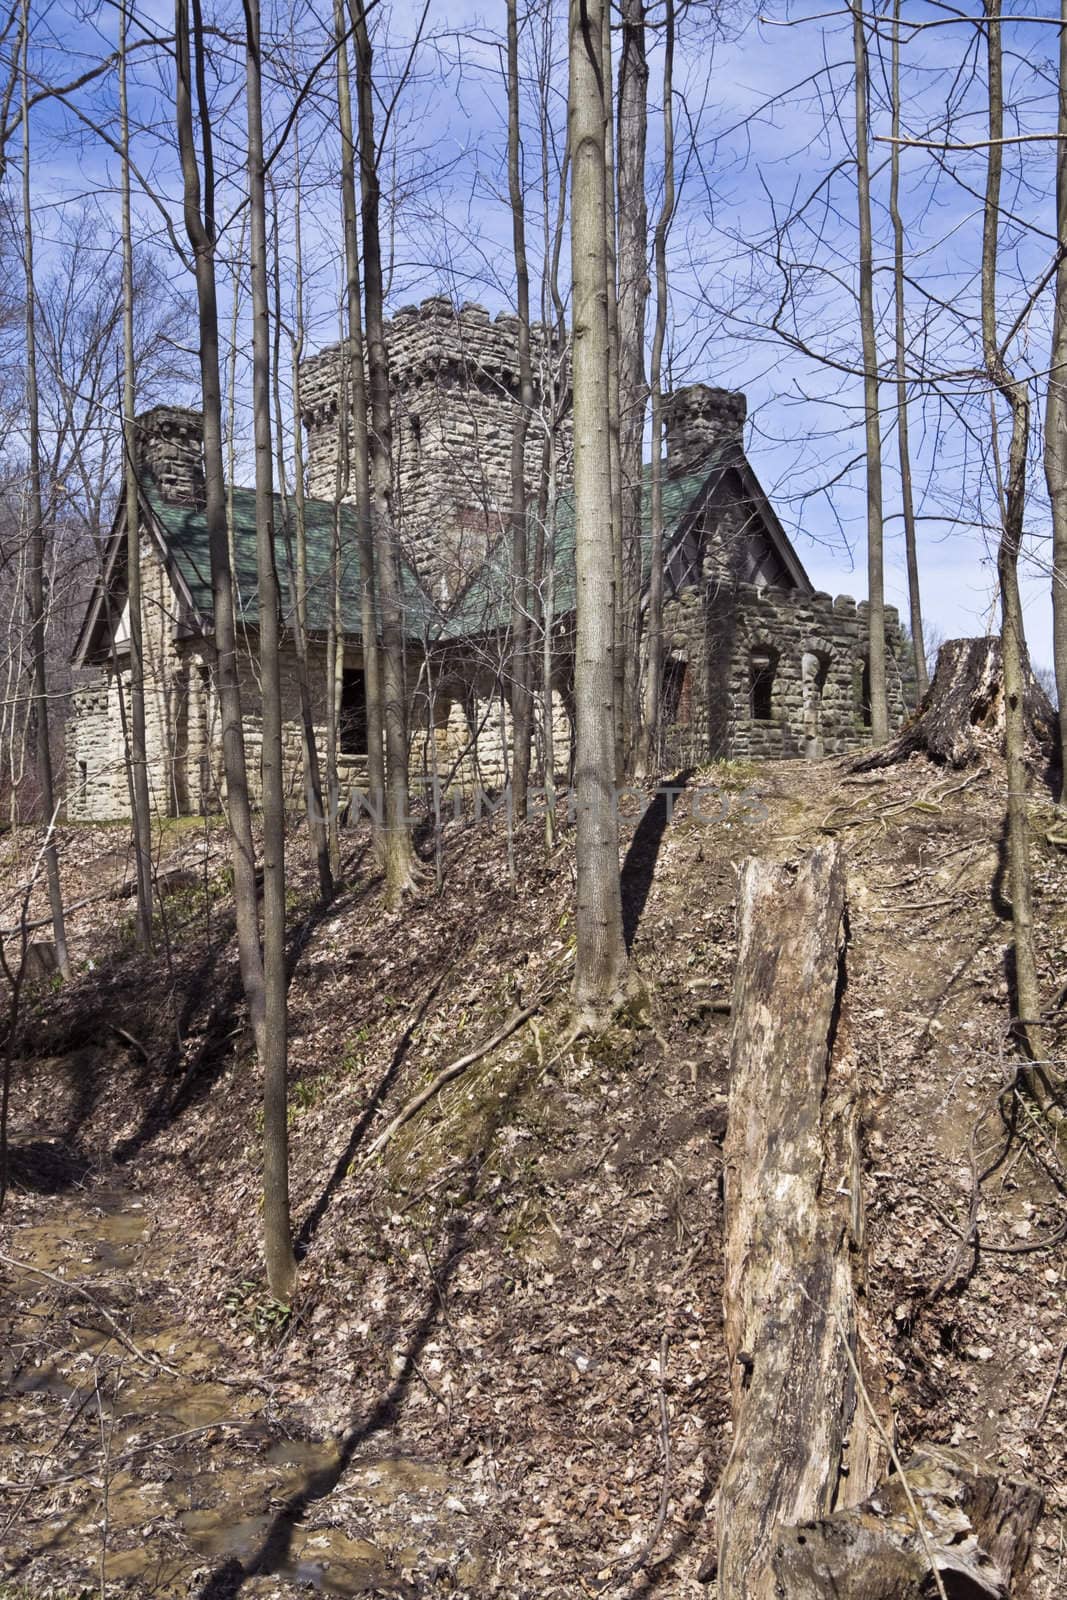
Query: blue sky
x: 764, y: 119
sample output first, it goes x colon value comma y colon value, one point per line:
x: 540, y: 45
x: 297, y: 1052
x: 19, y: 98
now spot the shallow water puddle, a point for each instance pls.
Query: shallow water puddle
x: 81, y: 1410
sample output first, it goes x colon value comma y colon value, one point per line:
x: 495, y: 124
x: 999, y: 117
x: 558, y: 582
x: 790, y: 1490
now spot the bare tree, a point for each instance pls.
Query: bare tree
x: 623, y: 603
x: 1056, y: 419
x: 399, y: 852
x: 632, y: 214
x: 649, y: 733
x: 199, y: 216
x: 355, y: 446
x: 600, y: 976
x: 521, y: 703
x: 138, y: 759
x: 903, y: 447
x: 35, y: 608
x: 1012, y: 494
x: 277, y: 1236
x: 872, y: 419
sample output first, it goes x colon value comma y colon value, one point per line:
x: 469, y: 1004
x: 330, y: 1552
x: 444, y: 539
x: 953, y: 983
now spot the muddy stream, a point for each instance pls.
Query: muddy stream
x: 130, y: 1465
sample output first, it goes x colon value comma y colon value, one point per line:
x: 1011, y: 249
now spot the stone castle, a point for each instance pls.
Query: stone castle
x: 757, y: 664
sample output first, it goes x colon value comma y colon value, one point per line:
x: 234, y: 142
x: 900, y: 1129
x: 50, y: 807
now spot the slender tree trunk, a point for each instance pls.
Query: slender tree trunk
x: 296, y: 540
x: 399, y: 854
x: 872, y: 421
x: 277, y: 1240
x: 231, y: 397
x: 649, y: 734
x: 521, y: 703
x: 553, y: 387
x: 35, y: 605
x: 1056, y: 421
x: 335, y: 642
x: 622, y: 691
x: 358, y: 446
x: 200, y: 226
x: 548, y: 608
x: 918, y: 644
x: 633, y: 291
x: 600, y: 976
x: 1030, y: 1034
x: 142, y: 815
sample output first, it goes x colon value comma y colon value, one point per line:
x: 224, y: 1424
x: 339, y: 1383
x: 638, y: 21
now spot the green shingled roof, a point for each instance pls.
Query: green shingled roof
x: 184, y: 530
x: 483, y: 607
x: 486, y: 601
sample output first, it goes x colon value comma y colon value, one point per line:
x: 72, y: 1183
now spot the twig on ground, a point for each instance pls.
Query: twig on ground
x: 447, y: 1074
x: 76, y: 1288
x: 1043, y: 1413
x: 876, y: 1421
x: 129, y: 1038
x: 105, y: 1447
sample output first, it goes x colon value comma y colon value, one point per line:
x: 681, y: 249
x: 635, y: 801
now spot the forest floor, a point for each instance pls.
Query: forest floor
x: 505, y: 1352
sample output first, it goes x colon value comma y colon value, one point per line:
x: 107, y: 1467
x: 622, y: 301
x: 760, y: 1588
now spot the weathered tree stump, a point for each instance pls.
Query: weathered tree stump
x: 962, y: 713
x: 977, y: 1525
x: 796, y: 1514
x: 800, y: 1443
x: 42, y: 962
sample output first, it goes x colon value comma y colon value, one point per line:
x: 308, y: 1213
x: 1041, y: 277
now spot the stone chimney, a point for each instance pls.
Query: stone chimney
x: 170, y: 444
x: 701, y: 420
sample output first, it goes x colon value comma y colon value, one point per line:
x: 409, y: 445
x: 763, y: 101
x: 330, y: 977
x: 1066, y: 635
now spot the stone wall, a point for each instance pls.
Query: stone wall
x: 454, y: 379
x: 717, y: 634
x: 177, y: 729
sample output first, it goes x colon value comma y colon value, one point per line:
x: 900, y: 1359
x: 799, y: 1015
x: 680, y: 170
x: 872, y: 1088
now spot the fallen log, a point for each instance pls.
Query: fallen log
x: 802, y: 1443
x: 798, y: 1513
x: 976, y: 1532
x: 962, y: 713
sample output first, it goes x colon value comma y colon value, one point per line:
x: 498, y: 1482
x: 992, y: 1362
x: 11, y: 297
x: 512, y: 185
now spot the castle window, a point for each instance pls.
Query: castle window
x: 353, y: 713
x: 762, y: 668
x: 863, y: 692
x: 814, y: 668
x: 442, y: 710
x: 676, y: 699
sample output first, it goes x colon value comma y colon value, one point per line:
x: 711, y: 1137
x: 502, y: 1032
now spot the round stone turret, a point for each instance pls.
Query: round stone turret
x: 701, y: 421
x: 170, y: 444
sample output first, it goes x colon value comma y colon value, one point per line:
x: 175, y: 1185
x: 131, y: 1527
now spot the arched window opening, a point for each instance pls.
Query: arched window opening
x: 814, y: 667
x: 763, y: 666
x: 676, y: 701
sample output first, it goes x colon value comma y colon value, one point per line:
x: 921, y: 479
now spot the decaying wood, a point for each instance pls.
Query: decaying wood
x: 796, y: 1513
x: 963, y: 710
x: 977, y: 1525
x: 802, y: 1444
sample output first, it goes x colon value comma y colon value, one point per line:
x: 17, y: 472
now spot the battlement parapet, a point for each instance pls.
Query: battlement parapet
x: 437, y: 341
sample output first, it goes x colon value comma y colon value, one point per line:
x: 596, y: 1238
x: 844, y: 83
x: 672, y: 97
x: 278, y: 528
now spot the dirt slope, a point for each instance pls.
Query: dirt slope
x: 505, y: 1353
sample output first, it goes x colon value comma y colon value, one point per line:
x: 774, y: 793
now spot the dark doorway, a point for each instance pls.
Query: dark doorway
x: 353, y: 713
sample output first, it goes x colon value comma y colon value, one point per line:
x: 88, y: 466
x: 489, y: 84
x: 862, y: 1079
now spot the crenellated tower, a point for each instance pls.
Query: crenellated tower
x: 454, y: 380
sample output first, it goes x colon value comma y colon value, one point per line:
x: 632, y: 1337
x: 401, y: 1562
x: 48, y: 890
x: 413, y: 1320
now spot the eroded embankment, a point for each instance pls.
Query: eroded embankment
x: 467, y: 1397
